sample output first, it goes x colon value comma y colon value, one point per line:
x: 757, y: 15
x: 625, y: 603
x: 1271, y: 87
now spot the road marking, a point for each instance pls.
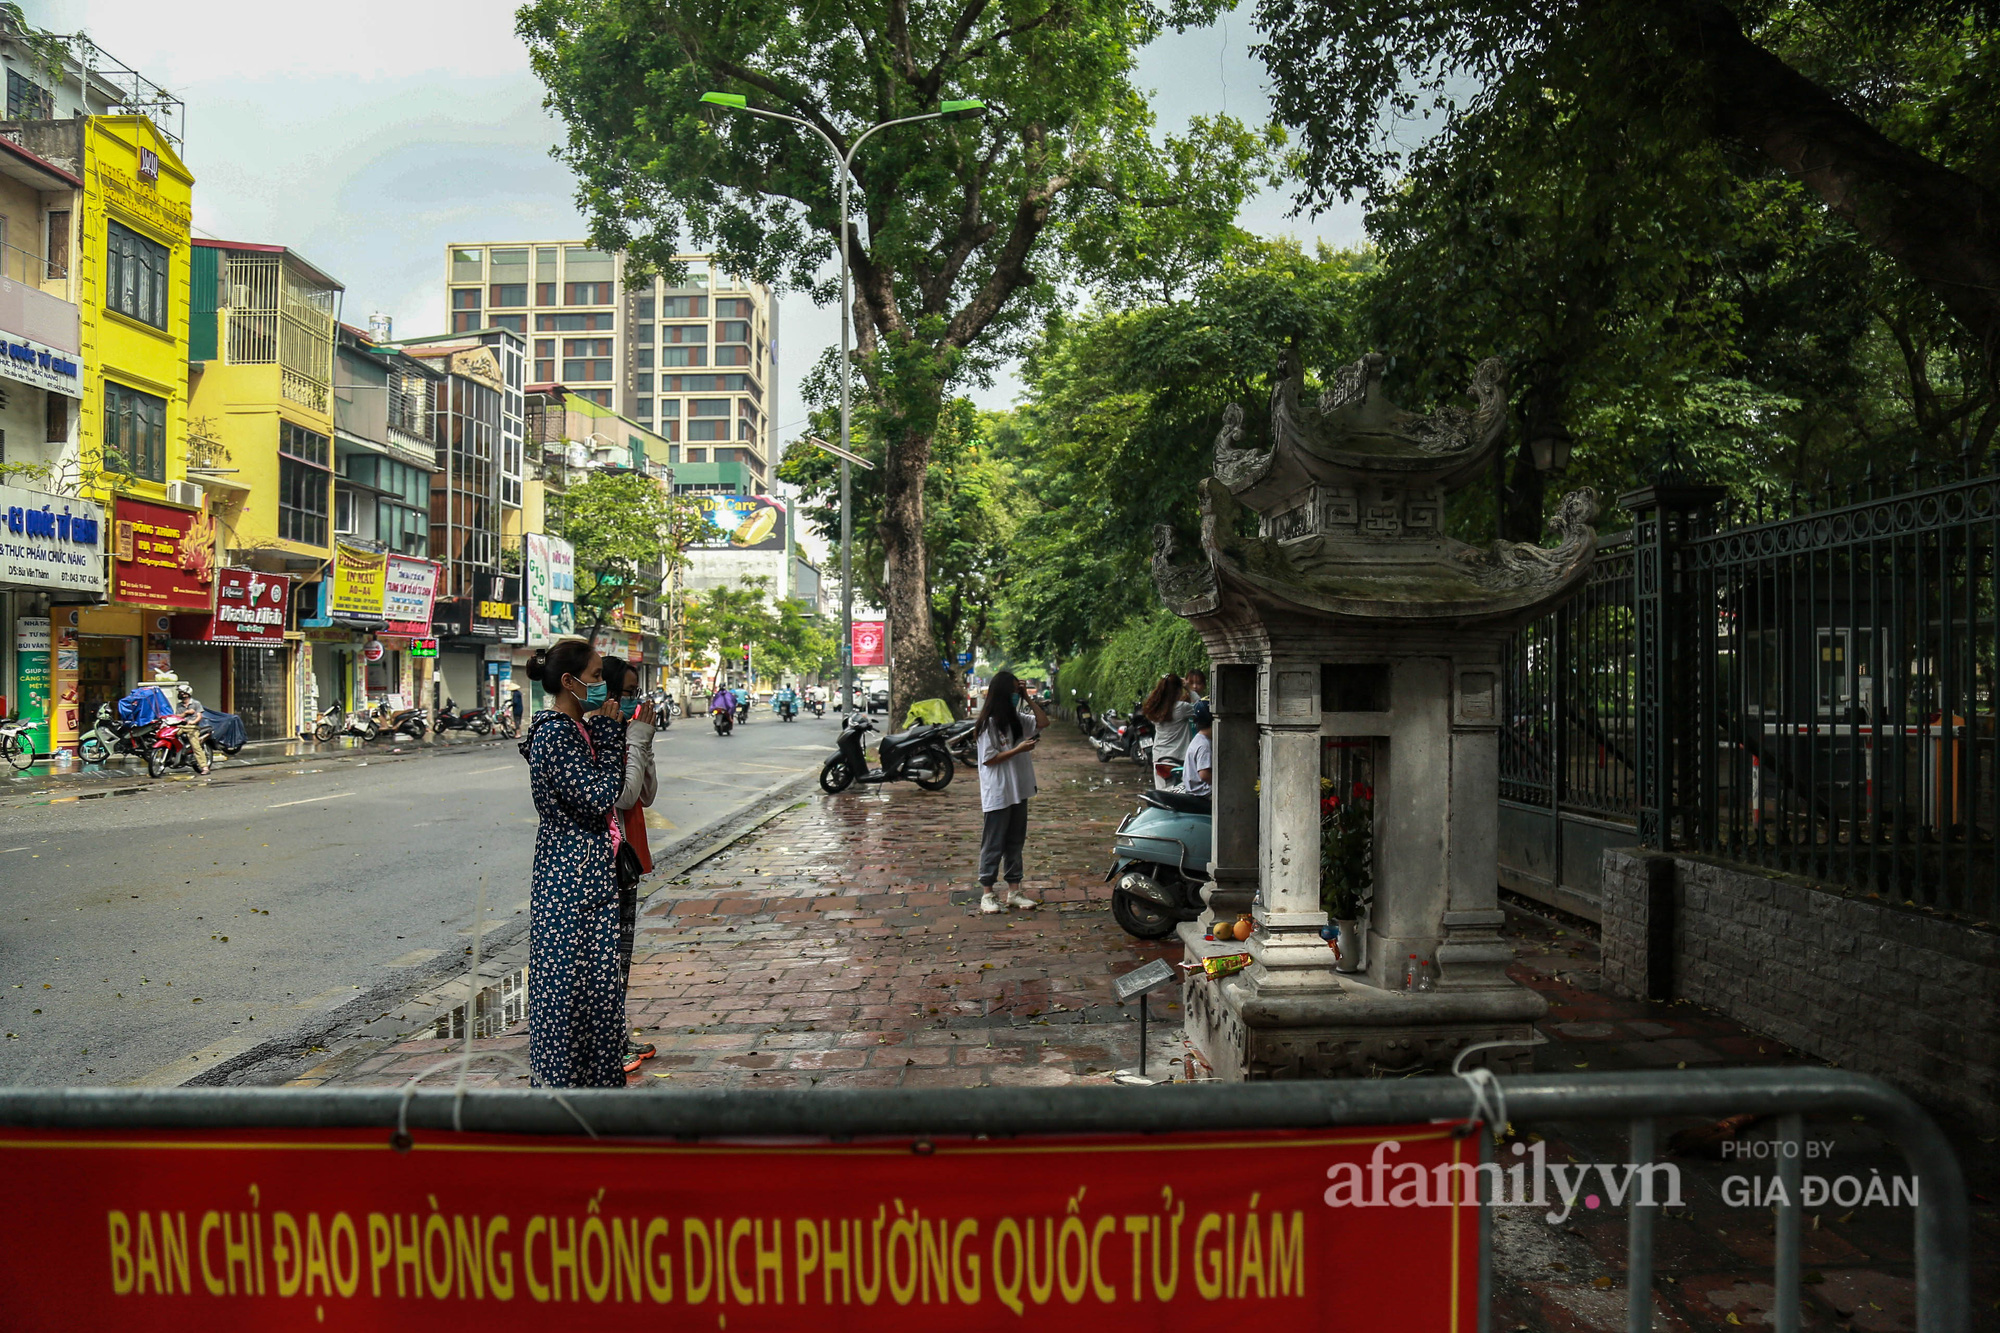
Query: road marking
x: 309, y: 800
x: 412, y: 958
x: 498, y: 768
x: 326, y: 996
x: 3, y: 852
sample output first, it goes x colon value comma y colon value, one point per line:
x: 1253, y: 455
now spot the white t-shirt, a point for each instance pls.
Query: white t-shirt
x: 1011, y: 781
x: 1170, y: 738
x: 1200, y: 755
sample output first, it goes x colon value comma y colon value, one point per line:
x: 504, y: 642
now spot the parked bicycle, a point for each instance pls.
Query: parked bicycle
x: 15, y: 742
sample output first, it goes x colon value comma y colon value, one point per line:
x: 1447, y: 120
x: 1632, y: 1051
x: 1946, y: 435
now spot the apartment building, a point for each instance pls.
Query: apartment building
x: 695, y: 363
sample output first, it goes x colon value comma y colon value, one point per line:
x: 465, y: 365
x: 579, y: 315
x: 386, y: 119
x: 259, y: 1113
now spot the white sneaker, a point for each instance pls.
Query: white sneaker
x: 1016, y: 898
x: 989, y: 903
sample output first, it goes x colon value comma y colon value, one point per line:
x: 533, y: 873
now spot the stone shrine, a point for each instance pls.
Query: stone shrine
x: 1353, y: 640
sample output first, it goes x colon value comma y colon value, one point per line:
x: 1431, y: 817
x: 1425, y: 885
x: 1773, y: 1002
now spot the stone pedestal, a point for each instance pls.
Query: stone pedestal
x: 1350, y: 620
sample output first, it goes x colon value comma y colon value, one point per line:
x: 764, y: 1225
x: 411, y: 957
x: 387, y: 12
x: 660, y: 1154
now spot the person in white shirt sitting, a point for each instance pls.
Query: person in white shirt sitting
x: 1198, y: 767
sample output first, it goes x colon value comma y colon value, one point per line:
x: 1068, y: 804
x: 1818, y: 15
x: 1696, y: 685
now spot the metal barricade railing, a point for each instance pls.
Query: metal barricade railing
x: 1943, y: 1225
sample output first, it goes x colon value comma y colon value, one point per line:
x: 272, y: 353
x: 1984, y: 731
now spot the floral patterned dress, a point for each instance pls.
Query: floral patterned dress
x: 576, y: 995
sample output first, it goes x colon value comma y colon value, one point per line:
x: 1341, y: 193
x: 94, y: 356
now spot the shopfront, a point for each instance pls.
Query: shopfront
x: 340, y: 616
x: 235, y: 658
x: 50, y: 547
x: 467, y: 627
x: 396, y: 675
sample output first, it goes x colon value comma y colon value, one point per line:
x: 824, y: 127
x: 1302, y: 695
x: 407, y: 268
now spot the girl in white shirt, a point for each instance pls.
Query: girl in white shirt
x: 1008, y: 729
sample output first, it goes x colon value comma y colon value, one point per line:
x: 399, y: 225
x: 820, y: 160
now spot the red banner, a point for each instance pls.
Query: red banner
x: 868, y: 643
x: 162, y: 557
x: 333, y: 1229
x: 249, y: 611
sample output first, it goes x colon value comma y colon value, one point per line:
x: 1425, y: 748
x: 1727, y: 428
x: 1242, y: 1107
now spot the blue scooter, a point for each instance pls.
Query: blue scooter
x: 1160, y: 863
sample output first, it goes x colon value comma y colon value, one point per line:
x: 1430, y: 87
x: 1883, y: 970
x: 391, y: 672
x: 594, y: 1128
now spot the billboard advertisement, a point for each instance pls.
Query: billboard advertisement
x: 535, y: 561
x: 162, y: 556
x: 408, y: 594
x: 50, y: 541
x: 357, y: 582
x: 249, y: 611
x: 747, y: 522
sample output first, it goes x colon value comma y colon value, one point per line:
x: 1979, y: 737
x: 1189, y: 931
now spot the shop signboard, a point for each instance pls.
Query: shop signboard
x: 746, y: 522
x: 868, y: 643
x: 424, y: 647
x: 49, y: 541
x: 50, y: 369
x: 162, y: 556
x: 249, y: 611
x: 31, y: 678
x: 562, y: 571
x: 358, y: 578
x: 409, y: 592
x: 535, y: 556
x: 494, y: 609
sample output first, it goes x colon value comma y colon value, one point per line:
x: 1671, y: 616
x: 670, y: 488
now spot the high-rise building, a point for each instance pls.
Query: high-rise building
x: 696, y: 362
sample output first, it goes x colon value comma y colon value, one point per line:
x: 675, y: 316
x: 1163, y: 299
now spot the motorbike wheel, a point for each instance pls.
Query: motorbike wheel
x: 835, y: 776
x: 481, y: 726
x: 323, y: 731
x: 93, y: 750
x: 416, y: 730
x: 1141, y: 919
x: 156, y: 762
x: 940, y: 777
x: 370, y: 730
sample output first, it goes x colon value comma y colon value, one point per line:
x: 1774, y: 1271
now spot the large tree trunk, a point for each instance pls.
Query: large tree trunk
x: 915, y: 671
x: 1940, y: 225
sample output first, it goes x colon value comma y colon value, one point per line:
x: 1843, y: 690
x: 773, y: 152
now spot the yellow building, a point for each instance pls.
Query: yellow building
x: 260, y: 439
x: 129, y: 282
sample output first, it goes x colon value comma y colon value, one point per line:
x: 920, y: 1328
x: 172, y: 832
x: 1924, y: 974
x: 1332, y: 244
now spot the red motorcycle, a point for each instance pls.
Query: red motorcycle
x: 177, y: 743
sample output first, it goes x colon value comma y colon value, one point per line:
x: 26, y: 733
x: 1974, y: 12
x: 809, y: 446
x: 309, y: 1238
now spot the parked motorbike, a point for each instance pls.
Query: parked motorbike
x: 177, y: 743
x: 962, y: 739
x: 1159, y: 862
x: 401, y: 721
x: 113, y: 736
x: 1086, y: 721
x: 474, y: 720
x: 1123, y: 738
x: 918, y: 755
x: 331, y: 721
x: 725, y: 721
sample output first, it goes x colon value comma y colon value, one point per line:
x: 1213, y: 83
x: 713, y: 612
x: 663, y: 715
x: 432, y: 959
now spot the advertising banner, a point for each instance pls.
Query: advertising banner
x: 535, y: 559
x: 162, y: 557
x: 562, y: 571
x: 496, y: 609
x: 249, y: 611
x: 868, y: 643
x: 747, y: 522
x: 47, y: 541
x: 409, y: 591
x: 31, y: 678
x: 358, y: 578
x: 48, y: 368
x: 1353, y: 1228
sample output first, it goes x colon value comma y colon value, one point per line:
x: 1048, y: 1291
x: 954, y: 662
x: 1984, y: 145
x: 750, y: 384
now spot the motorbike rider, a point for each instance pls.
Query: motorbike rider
x: 723, y: 701
x: 785, y: 698
x: 188, y: 712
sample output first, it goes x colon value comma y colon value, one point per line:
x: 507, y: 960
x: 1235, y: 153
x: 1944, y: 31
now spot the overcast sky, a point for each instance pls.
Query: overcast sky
x: 370, y: 134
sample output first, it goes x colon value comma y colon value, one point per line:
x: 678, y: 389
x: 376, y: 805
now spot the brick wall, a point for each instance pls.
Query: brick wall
x: 1880, y: 989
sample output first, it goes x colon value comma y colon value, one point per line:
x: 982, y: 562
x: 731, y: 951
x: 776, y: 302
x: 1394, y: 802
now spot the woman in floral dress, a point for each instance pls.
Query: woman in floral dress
x: 576, y: 763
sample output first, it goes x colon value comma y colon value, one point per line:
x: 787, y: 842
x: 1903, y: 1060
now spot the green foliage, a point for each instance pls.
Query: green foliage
x: 782, y: 637
x: 1346, y: 850
x: 624, y: 528
x: 1130, y: 661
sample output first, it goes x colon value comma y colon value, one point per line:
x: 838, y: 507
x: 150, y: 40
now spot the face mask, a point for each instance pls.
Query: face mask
x: 595, y: 695
x: 628, y: 708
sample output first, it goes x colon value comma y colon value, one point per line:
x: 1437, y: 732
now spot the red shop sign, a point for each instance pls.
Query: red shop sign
x: 331, y: 1229
x: 250, y: 610
x: 162, y: 556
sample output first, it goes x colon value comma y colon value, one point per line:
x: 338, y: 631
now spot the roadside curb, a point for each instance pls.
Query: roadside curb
x: 426, y: 995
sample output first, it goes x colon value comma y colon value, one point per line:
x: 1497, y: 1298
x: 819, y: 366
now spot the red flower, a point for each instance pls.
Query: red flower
x: 1362, y: 792
x: 1329, y: 804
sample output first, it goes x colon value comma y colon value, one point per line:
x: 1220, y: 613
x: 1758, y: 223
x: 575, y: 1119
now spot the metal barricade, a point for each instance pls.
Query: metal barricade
x: 1943, y: 1225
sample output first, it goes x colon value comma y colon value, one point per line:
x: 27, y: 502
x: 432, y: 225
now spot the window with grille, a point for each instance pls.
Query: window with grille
x: 683, y: 307
x: 136, y: 276
x: 683, y: 356
x: 28, y: 100
x: 135, y: 432
x: 587, y: 293
x: 303, y: 483
x: 465, y: 298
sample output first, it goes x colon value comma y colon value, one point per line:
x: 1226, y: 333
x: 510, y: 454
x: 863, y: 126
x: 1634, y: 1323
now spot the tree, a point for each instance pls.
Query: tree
x: 622, y: 526
x: 960, y: 236
x: 782, y: 637
x: 1883, y: 109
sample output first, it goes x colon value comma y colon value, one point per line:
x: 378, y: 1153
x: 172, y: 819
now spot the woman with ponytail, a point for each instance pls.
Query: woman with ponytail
x: 575, y: 750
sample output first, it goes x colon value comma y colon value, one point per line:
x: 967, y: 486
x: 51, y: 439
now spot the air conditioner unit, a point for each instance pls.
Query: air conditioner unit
x: 184, y: 493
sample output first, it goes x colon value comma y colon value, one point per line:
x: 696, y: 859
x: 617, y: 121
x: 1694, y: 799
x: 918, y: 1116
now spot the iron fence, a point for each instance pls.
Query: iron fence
x: 1812, y: 693
x: 1636, y: 1101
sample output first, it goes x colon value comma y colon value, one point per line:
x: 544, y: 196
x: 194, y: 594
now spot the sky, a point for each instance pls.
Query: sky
x: 369, y: 135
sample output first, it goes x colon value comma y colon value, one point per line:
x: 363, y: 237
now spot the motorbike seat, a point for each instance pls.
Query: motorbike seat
x: 1178, y: 801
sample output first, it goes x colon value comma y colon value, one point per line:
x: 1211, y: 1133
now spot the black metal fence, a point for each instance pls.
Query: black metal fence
x: 1814, y: 694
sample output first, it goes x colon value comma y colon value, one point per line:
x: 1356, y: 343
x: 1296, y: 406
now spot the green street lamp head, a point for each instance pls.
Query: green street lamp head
x: 736, y: 101
x: 966, y: 108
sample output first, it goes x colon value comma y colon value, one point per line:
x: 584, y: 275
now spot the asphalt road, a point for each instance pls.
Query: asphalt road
x: 210, y: 916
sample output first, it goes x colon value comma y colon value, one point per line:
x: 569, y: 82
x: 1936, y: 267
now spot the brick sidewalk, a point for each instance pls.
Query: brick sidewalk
x: 840, y: 946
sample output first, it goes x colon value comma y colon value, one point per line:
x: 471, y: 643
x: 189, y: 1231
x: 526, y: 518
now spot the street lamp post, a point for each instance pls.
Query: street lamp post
x: 950, y: 110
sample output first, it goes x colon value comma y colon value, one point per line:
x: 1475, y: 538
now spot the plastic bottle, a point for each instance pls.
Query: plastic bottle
x: 1426, y: 976
x: 1410, y: 974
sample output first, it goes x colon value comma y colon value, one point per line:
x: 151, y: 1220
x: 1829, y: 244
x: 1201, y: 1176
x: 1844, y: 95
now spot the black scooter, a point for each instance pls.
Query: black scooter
x: 474, y: 720
x: 1123, y: 738
x: 725, y: 721
x: 962, y: 739
x: 917, y: 755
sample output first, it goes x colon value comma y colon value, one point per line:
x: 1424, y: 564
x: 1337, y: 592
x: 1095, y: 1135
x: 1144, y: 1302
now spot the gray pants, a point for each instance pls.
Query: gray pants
x: 1006, y: 830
